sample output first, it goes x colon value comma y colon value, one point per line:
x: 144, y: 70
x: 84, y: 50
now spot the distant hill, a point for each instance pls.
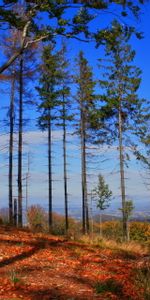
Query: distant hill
x: 107, y: 217
x: 137, y: 217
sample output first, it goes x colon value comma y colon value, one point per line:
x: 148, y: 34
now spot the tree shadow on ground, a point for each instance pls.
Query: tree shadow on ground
x: 54, y: 293
x: 23, y: 255
x: 36, y: 246
x: 101, y: 291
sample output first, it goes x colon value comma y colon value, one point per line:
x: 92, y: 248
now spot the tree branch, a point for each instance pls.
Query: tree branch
x: 10, y: 61
x: 17, y: 54
x: 35, y: 41
x: 75, y: 37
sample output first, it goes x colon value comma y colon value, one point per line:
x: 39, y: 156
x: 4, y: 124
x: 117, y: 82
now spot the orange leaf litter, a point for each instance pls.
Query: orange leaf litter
x: 44, y: 267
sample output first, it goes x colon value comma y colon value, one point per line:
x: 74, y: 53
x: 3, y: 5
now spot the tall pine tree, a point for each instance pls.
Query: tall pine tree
x: 49, y: 95
x: 65, y: 117
x: 86, y: 98
x: 120, y: 102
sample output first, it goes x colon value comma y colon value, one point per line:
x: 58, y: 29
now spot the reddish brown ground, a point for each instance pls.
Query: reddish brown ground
x: 47, y: 267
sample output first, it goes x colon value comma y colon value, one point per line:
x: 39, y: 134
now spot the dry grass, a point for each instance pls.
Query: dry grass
x: 135, y: 247
x: 131, y: 247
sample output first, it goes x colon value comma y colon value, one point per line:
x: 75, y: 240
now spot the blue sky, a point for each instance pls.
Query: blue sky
x: 35, y: 141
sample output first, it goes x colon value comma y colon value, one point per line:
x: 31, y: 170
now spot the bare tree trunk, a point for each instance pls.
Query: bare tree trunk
x: 92, y: 223
x: 50, y: 168
x: 20, y: 143
x: 82, y: 172
x: 11, y: 137
x: 100, y: 225
x: 128, y: 231
x: 27, y: 184
x: 122, y: 177
x: 85, y: 184
x: 85, y: 176
x: 15, y: 212
x: 65, y: 166
x: 85, y: 215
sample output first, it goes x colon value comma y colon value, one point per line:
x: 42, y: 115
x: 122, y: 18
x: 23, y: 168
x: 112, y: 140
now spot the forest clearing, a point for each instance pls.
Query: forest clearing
x: 74, y: 150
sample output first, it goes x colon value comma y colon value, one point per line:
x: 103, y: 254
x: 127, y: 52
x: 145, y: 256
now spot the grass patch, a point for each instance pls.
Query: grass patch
x: 14, y: 277
x: 109, y: 285
x: 20, y: 244
x: 142, y: 277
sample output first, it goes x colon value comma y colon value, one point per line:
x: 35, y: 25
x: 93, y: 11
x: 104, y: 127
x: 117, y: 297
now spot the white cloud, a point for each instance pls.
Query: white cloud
x: 35, y: 140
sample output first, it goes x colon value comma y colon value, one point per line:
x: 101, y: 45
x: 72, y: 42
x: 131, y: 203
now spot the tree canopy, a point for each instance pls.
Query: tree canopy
x: 44, y: 20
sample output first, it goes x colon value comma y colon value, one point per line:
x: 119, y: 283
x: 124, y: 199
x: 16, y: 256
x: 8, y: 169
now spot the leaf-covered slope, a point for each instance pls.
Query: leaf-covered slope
x: 36, y: 266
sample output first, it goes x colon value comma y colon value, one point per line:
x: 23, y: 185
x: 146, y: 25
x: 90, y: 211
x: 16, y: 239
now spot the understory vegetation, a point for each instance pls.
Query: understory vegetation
x: 37, y: 221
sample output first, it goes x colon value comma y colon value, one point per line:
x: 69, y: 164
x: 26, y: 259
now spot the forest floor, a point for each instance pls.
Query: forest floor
x: 37, y: 266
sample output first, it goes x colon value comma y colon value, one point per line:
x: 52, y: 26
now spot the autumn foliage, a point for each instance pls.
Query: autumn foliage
x: 37, y: 219
x: 38, y: 266
x: 139, y: 231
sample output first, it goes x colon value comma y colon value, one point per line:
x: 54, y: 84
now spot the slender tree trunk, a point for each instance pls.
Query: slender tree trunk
x: 15, y: 213
x: 128, y: 231
x: 65, y: 166
x: 11, y: 136
x: 122, y: 177
x: 85, y: 215
x: 92, y: 223
x: 27, y: 185
x: 91, y: 217
x: 100, y: 225
x: 50, y: 168
x: 20, y: 143
x: 85, y: 183
x: 82, y: 175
